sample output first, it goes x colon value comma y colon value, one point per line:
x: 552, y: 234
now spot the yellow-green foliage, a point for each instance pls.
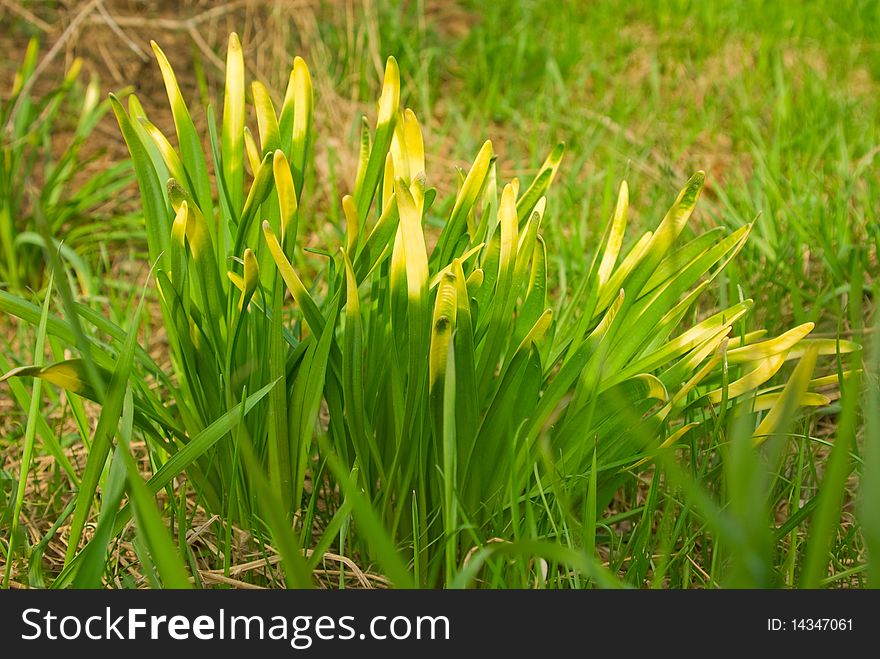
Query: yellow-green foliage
x: 456, y: 389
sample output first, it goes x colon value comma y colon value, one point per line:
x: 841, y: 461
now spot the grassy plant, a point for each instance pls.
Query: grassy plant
x: 40, y: 181
x: 221, y: 350
x: 535, y: 406
x: 467, y: 414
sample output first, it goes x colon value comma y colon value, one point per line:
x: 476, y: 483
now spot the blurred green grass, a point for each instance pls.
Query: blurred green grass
x: 777, y: 101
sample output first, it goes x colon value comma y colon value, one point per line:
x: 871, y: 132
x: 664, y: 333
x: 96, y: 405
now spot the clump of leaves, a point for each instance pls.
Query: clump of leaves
x: 462, y: 404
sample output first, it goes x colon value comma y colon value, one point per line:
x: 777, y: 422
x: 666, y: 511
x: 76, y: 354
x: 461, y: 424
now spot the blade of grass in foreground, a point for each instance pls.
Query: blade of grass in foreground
x: 869, y: 512
x: 296, y: 574
x: 95, y: 553
x: 148, y: 519
x: 29, y: 434
x: 825, y: 523
x: 102, y: 439
x: 82, y: 343
x: 747, y: 505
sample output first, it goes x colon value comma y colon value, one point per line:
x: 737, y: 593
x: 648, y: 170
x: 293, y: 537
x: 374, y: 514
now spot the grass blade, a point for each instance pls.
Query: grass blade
x: 29, y: 434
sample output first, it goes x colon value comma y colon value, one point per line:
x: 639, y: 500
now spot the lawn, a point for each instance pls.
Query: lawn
x: 384, y: 352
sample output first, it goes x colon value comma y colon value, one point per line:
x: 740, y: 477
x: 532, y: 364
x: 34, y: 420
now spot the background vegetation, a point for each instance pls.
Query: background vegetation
x: 777, y: 102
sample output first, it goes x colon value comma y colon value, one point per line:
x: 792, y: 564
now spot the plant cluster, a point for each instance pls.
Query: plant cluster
x: 413, y: 405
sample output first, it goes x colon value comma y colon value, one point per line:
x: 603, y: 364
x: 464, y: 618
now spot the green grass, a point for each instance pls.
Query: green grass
x: 777, y: 103
x: 47, y: 194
